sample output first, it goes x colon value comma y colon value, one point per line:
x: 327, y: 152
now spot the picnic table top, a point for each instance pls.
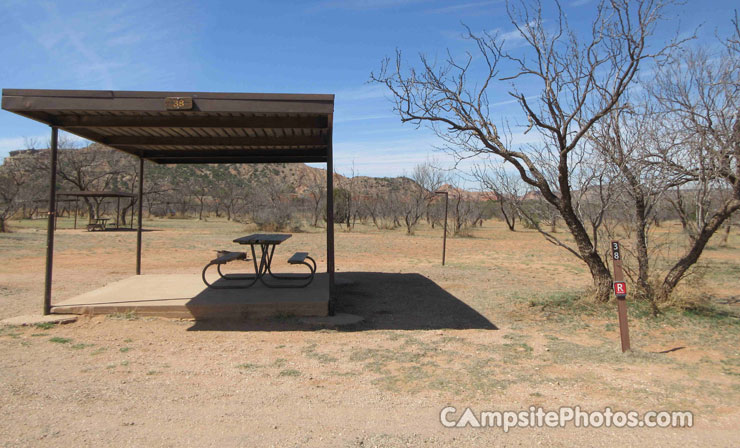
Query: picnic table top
x: 263, y: 238
x: 101, y: 219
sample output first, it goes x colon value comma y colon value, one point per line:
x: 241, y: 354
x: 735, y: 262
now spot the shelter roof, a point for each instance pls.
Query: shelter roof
x: 188, y: 127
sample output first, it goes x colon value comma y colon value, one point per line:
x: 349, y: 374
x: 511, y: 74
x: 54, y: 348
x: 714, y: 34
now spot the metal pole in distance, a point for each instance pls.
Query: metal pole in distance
x: 444, y: 237
x: 620, y: 289
x: 77, y: 206
x: 51, y: 224
x: 138, y: 228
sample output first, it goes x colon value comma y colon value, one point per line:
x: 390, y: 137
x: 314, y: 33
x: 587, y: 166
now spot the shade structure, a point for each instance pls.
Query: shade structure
x: 75, y: 195
x: 186, y: 127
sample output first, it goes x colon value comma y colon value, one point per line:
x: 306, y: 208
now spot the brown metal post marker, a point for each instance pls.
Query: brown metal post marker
x: 620, y: 289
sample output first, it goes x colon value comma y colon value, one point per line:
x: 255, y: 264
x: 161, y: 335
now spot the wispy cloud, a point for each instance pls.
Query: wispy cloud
x: 464, y: 7
x: 362, y: 5
x: 99, y: 46
x: 512, y: 38
x: 364, y: 92
x: 350, y: 118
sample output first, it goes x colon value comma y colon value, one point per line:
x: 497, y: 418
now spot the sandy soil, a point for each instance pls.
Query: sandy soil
x: 482, y: 332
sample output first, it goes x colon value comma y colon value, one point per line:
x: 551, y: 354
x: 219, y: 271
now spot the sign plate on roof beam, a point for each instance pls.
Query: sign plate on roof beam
x: 178, y: 103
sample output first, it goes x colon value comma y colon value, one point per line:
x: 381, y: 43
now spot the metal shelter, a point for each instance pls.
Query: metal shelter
x: 185, y: 127
x: 74, y: 196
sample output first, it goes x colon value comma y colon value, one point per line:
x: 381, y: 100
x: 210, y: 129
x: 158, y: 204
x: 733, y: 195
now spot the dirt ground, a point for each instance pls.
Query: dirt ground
x: 499, y: 328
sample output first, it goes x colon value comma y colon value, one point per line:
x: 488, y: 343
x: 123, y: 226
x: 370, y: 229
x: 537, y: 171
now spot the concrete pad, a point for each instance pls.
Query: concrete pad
x: 39, y: 319
x: 185, y: 296
x: 334, y: 321
x: 340, y: 280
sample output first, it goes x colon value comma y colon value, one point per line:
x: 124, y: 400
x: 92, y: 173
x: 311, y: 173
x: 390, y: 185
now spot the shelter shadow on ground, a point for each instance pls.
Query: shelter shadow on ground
x: 386, y: 301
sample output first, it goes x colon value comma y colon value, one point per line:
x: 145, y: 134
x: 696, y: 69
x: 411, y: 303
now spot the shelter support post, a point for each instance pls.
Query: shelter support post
x: 77, y: 206
x: 330, y: 214
x: 56, y: 200
x: 51, y: 219
x: 138, y: 224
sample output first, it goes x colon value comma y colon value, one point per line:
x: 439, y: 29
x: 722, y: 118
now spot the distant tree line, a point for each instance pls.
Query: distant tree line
x: 273, y: 197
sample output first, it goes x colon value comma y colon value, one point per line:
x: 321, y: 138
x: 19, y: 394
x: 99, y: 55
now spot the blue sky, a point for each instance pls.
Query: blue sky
x: 265, y: 46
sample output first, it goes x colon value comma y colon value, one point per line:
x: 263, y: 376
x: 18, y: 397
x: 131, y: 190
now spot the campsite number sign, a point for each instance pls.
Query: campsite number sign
x: 178, y: 103
x: 620, y: 290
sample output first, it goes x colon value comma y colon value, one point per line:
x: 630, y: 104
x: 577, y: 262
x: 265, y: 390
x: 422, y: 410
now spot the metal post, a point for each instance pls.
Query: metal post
x: 77, y: 205
x: 444, y: 238
x: 51, y: 219
x: 56, y: 218
x: 330, y: 213
x: 138, y: 229
x: 118, y: 211
x: 621, y: 291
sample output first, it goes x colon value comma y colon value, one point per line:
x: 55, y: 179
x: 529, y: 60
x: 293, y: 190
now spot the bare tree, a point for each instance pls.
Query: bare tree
x: 505, y: 188
x: 13, y: 179
x: 426, y: 180
x: 700, y: 97
x: 229, y: 189
x: 316, y: 189
x: 85, y: 169
x: 580, y: 82
x: 625, y: 139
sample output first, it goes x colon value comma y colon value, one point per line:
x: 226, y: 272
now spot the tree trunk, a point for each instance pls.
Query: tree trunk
x: 678, y: 271
x: 2, y: 225
x: 726, y: 236
x: 600, y: 274
x: 510, y: 222
x: 643, y: 262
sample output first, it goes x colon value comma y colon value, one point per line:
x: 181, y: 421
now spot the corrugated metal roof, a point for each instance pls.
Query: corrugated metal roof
x: 220, y: 127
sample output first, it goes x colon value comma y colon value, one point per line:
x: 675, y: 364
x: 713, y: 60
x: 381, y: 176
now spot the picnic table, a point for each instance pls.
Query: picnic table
x: 97, y: 224
x: 266, y: 242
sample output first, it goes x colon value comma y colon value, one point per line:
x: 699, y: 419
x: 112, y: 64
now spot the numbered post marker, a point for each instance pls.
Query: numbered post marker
x: 620, y: 290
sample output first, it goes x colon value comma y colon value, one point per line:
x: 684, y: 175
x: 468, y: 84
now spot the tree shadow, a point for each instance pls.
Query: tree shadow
x: 386, y: 301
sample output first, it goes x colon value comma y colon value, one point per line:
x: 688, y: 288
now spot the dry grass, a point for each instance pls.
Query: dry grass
x: 427, y: 342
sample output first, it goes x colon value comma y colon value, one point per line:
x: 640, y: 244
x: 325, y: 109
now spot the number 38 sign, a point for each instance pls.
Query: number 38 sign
x: 620, y: 290
x: 615, y: 251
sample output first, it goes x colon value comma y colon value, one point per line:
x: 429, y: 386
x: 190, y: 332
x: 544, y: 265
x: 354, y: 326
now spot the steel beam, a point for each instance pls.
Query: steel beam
x: 330, y: 215
x: 138, y: 225
x: 51, y: 224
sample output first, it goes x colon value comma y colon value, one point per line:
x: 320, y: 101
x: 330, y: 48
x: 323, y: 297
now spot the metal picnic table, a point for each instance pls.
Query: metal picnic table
x: 97, y: 223
x: 267, y: 243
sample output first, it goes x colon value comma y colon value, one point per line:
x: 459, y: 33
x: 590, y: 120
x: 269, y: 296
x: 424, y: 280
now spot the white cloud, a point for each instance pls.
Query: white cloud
x: 364, y: 92
x: 464, y: 7
x: 363, y: 5
x: 349, y: 118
